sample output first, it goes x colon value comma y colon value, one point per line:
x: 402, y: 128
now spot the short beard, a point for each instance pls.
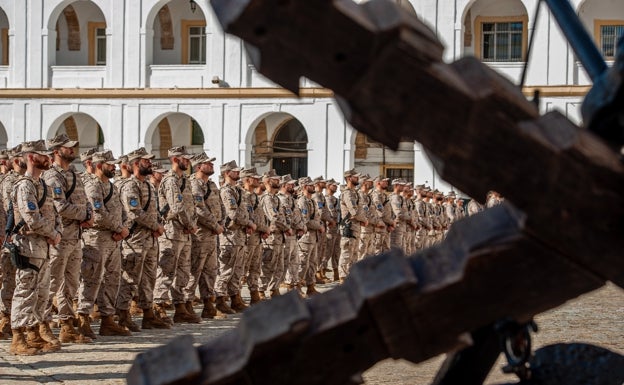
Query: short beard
x: 22, y: 165
x: 68, y: 157
x: 207, y: 173
x: 145, y: 171
x: 182, y: 166
x: 108, y: 173
x: 41, y: 164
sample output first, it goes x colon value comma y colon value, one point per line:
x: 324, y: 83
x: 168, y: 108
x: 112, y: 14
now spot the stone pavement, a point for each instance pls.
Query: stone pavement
x: 596, y: 318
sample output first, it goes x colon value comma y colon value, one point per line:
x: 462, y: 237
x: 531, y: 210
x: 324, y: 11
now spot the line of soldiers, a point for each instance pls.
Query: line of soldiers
x: 150, y: 237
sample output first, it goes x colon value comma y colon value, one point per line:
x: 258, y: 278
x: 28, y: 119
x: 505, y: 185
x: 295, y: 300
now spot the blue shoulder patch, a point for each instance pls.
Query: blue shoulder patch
x: 330, y: 206
x: 179, y: 197
x: 57, y: 190
x: 379, y: 206
x: 97, y: 204
x: 233, y: 201
x: 320, y: 205
x: 275, y: 209
x: 250, y: 208
x: 304, y: 211
x: 199, y: 198
x: 133, y: 202
x: 31, y: 206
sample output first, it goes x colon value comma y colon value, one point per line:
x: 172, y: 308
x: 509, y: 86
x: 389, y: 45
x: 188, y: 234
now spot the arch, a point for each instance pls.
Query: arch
x: 603, y: 17
x: 495, y: 14
x: 172, y: 28
x: 80, y: 28
x: 78, y: 126
x: 174, y: 129
x: 4, y: 38
x: 4, y: 137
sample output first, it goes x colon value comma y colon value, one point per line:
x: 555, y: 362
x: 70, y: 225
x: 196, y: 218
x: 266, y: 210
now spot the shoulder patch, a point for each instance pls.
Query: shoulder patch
x: 274, y: 209
x: 97, y: 204
x: 233, y: 201
x: 304, y: 211
x: 199, y: 198
x: 133, y: 202
x: 179, y: 197
x: 32, y: 206
x: 57, y: 191
x: 379, y: 206
x: 320, y: 205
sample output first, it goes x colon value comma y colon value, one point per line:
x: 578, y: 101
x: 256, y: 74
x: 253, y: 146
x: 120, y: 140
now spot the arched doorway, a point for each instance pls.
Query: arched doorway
x: 4, y: 38
x: 176, y: 129
x: 80, y: 35
x: 3, y: 137
x: 290, y: 154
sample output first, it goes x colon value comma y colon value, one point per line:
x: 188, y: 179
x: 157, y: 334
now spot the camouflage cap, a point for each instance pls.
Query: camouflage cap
x: 158, y: 167
x: 104, y: 156
x: 271, y: 174
x: 140, y: 153
x: 399, y: 181
x: 230, y: 166
x: 15, y: 151
x: 201, y: 158
x: 419, y: 187
x: 4, y: 154
x: 250, y: 173
x: 319, y: 179
x: 306, y: 181
x: 180, y: 152
x: 366, y: 178
x: 451, y: 194
x: 86, y: 155
x: 332, y: 181
x: 380, y: 178
x: 286, y: 179
x: 352, y: 172
x: 36, y: 146
x: 123, y: 159
x: 62, y: 140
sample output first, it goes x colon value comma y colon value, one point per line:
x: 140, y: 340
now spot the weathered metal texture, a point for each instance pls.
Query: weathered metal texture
x: 576, y: 364
x: 391, y: 306
x: 386, y: 69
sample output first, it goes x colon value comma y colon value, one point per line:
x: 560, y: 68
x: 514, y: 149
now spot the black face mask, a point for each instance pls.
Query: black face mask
x: 145, y: 171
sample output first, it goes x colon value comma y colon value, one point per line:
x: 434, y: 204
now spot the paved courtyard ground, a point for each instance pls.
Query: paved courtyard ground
x: 596, y: 318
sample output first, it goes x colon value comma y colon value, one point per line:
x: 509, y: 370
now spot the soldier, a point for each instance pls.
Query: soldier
x: 410, y: 227
x: 366, y: 245
x: 449, y: 206
x: 431, y: 219
x: 18, y: 168
x: 459, y: 209
x: 86, y: 159
x: 139, y: 202
x: 307, y: 244
x: 253, y: 251
x: 493, y: 199
x: 440, y: 221
x: 399, y: 211
x: 422, y: 218
x: 333, y: 235
x: 174, y: 259
x: 38, y: 227
x: 353, y: 217
x: 380, y: 203
x: 273, y: 249
x: 232, y: 241
x: 101, y: 253
x: 326, y: 219
x: 292, y: 215
x: 204, y: 241
x: 474, y: 207
x: 72, y: 205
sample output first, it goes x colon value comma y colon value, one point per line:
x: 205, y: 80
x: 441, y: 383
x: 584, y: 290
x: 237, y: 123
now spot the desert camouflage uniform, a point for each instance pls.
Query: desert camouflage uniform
x: 366, y: 244
x: 325, y: 216
x: 351, y: 211
x: 423, y: 221
x: 8, y: 269
x: 381, y: 207
x: 474, y: 207
x: 101, y: 260
x: 292, y: 216
x: 307, y: 244
x: 32, y: 288
x: 253, y: 251
x: 66, y: 257
x: 332, y: 235
x: 397, y: 203
x: 272, y: 247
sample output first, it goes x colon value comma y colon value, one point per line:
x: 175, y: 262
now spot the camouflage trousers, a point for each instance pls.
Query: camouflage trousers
x: 137, y: 253
x: 291, y: 261
x: 382, y: 241
x: 231, y: 263
x: 253, y: 261
x: 332, y: 248
x: 366, y: 244
x: 321, y: 251
x: 408, y: 238
x: 308, y: 257
x: 420, y: 238
x: 100, y: 271
x: 174, y: 270
x: 396, y: 237
x: 203, y: 266
x: 348, y: 255
x: 8, y: 282
x: 32, y: 291
x: 272, y: 262
x: 65, y: 260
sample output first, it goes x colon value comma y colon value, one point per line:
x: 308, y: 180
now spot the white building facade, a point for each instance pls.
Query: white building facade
x: 120, y: 74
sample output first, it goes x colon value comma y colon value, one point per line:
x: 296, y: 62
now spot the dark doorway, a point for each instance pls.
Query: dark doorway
x: 290, y: 154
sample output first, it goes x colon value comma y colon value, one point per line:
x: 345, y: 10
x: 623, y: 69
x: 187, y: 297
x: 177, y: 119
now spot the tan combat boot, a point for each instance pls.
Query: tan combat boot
x: 84, y: 327
x: 69, y: 334
x: 223, y: 307
x: 46, y: 334
x: 5, y: 326
x: 262, y: 295
x: 189, y: 307
x: 160, y: 311
x: 209, y: 311
x: 125, y: 320
x: 319, y: 278
x: 238, y: 305
x: 34, y: 340
x: 255, y: 297
x: 108, y: 327
x: 135, y: 310
x: 311, y: 290
x: 95, y: 313
x: 151, y: 321
x: 181, y: 315
x: 19, y: 347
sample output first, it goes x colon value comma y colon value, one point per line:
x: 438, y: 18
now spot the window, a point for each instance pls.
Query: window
x: 193, y: 42
x: 607, y: 33
x: 405, y: 171
x: 501, y: 39
x: 97, y: 44
x: 4, y: 32
x: 197, y: 135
